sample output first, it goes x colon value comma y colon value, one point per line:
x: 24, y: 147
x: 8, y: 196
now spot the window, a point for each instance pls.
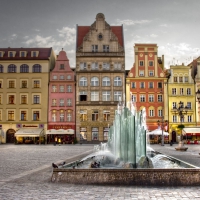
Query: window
x: 175, y: 79
x: 117, y: 95
x: 69, y: 102
x: 106, y: 115
x: 174, y: 118
x: 83, y: 66
x: 180, y: 79
x: 37, y: 68
x: 62, y: 117
x: 54, y: 77
x: 62, y: 77
x: 12, y: 68
x: 106, y: 81
x: 181, y: 91
x: 54, y: 102
x: 23, y: 99
x: 133, y: 85
x: 160, y: 113
x: 160, y: 85
x: 83, y: 96
x: 142, y: 98
x: 95, y: 96
x: 54, y: 88
x: 182, y: 119
x: 24, y: 84
x: 150, y: 84
x: 151, y: 98
x: 24, y: 68
x: 83, y: 81
x: 36, y: 84
x: 173, y: 105
x: 68, y: 77
x: 10, y: 115
x: 188, y: 91
x: 173, y: 91
x: 94, y: 81
x: 95, y: 66
x: 22, y: 54
x: 83, y: 115
x: 36, y: 115
x: 0, y: 115
x: 95, y: 115
x: 141, y: 72
x: 53, y: 116
x: 106, y: 96
x: 133, y: 98
x: 189, y: 105
x: 141, y: 63
x: 34, y: 54
x: 69, y: 117
x: 106, y: 66
x: 160, y: 98
x: 69, y: 88
x: 150, y: 63
x: 142, y: 85
x: 62, y: 103
x: 151, y: 113
x: 105, y: 48
x: 11, y: 84
x: 62, y: 88
x: 1, y: 68
x: 151, y: 73
x: 95, y: 133
x: 11, y: 99
x: 23, y: 116
x: 10, y: 54
x: 0, y: 99
x: 62, y: 66
x: 189, y: 118
x: 186, y: 79
x: 1, y: 84
x: 117, y: 81
x: 94, y: 48
x: 36, y: 99
x: 117, y: 66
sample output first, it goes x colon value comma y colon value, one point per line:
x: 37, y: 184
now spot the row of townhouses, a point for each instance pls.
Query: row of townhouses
x: 44, y: 100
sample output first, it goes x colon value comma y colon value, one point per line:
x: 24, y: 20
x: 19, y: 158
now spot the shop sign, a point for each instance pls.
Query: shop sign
x: 29, y: 125
x: 83, y: 129
x: 61, y: 127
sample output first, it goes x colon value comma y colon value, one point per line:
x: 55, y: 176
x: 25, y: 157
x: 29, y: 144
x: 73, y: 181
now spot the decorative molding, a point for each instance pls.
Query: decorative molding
x: 107, y: 26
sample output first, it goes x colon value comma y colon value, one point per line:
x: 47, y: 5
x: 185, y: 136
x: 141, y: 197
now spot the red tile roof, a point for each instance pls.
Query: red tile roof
x: 83, y: 30
x: 44, y: 53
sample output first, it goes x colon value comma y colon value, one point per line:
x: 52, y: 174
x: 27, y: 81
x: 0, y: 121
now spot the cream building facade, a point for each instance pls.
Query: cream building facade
x: 24, y: 78
x: 100, y: 78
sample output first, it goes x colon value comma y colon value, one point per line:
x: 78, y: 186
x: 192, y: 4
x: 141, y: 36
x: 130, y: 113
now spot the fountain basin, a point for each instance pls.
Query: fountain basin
x: 150, y: 177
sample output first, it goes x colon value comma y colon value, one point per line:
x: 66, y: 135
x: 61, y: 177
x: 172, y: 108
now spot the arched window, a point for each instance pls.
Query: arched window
x: 12, y: 68
x: 37, y: 68
x: 83, y: 81
x: 1, y: 68
x: 117, y: 81
x: 106, y: 81
x: 94, y: 81
x: 24, y: 68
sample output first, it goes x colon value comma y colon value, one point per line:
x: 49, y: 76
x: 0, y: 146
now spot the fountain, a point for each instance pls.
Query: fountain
x: 126, y: 159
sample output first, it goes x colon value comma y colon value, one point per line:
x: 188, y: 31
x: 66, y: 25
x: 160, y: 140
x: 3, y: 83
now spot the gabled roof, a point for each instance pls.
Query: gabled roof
x: 44, y: 53
x: 83, y: 30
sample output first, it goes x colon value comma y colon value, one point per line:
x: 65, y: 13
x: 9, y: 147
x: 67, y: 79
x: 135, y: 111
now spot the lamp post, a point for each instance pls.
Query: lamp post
x: 162, y: 127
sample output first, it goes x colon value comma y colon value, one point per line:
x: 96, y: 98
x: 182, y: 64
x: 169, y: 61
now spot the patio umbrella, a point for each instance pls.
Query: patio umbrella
x: 158, y: 132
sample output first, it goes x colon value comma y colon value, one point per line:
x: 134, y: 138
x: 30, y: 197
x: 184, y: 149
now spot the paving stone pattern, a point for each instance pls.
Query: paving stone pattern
x: 25, y: 172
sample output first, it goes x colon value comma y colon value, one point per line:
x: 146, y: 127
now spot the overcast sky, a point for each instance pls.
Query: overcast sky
x: 173, y: 25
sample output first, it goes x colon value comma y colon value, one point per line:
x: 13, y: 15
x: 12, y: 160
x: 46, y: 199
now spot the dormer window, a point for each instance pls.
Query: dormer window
x: 22, y: 54
x: 34, y: 53
x: 10, y: 54
x: 1, y: 53
x: 62, y: 66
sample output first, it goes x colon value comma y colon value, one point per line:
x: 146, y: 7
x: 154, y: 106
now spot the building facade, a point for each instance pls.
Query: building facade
x: 100, y: 76
x: 61, y: 115
x: 146, y: 84
x: 181, y: 89
x: 24, y: 78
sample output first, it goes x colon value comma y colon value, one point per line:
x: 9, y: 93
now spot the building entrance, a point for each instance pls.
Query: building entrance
x: 10, y: 136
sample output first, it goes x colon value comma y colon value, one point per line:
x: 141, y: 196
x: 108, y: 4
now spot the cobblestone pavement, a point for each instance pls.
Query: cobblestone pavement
x: 25, y: 172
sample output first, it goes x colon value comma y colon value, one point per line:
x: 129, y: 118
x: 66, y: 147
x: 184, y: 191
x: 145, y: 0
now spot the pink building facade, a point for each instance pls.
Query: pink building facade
x: 61, y: 112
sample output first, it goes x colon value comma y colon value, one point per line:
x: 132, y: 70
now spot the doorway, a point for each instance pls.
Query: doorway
x: 10, y: 136
x: 174, y: 136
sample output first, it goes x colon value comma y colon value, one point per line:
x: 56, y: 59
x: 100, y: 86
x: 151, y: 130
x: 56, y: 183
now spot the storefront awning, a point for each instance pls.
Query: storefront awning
x: 60, y: 132
x: 192, y: 130
x: 25, y: 132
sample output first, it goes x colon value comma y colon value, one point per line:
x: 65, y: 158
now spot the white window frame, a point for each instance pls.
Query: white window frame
x: 106, y: 96
x: 141, y: 72
x: 94, y: 95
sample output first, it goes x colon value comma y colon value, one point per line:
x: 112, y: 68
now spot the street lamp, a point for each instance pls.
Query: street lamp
x: 162, y: 127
